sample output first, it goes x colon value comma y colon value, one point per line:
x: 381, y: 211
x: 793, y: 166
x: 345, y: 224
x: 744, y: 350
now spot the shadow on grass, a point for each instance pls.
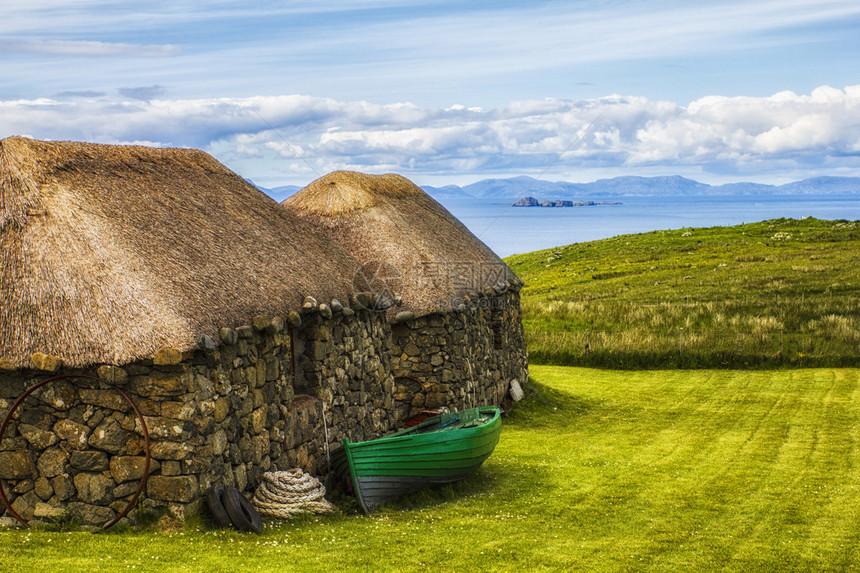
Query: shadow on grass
x: 663, y: 360
x: 478, y: 483
x: 543, y: 405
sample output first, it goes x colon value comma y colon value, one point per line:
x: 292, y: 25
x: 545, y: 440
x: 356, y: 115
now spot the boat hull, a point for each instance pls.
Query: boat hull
x: 441, y: 450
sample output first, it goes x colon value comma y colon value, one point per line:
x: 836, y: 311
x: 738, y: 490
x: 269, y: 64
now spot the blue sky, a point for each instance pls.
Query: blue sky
x: 448, y: 92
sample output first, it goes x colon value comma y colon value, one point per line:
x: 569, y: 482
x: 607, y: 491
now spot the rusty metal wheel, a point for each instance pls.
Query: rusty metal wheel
x: 38, y: 385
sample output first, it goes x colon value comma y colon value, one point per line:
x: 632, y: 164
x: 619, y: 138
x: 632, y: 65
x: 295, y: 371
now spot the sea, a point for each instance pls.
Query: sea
x: 510, y: 230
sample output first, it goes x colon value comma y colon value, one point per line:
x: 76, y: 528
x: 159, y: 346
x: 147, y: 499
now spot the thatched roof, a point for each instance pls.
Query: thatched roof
x: 108, y: 253
x: 388, y: 219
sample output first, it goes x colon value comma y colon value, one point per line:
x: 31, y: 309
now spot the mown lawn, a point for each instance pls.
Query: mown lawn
x: 596, y: 470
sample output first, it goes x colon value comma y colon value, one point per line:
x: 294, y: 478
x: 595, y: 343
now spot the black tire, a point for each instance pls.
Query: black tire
x: 215, y: 501
x: 241, y: 512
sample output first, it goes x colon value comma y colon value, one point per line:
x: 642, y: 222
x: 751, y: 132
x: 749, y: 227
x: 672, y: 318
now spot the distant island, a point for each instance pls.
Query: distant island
x: 532, y: 202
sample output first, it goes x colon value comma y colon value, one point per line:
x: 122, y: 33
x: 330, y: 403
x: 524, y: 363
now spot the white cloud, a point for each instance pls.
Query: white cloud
x: 82, y: 48
x: 284, y: 139
x: 822, y: 125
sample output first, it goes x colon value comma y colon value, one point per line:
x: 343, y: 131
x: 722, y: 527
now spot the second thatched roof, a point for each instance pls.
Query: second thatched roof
x: 108, y: 253
x: 406, y: 241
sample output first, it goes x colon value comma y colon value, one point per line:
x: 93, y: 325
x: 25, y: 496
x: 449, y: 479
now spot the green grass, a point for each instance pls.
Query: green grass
x: 776, y: 293
x: 595, y: 470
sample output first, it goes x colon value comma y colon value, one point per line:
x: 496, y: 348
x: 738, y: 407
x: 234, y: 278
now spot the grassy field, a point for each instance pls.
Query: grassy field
x: 596, y: 470
x: 780, y: 292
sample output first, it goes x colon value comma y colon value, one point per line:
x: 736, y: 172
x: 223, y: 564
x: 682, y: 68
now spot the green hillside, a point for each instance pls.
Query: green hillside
x: 778, y: 292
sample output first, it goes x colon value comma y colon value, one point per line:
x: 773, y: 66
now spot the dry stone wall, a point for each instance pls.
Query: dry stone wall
x: 236, y: 407
x: 459, y: 359
x: 347, y: 368
x: 369, y: 376
x: 222, y: 414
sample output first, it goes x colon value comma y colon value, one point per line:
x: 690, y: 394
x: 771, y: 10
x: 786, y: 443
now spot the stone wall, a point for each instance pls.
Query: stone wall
x: 233, y: 408
x: 461, y: 358
x: 369, y: 376
x: 222, y: 414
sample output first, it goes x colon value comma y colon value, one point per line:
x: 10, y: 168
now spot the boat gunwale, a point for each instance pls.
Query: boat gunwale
x: 433, y: 435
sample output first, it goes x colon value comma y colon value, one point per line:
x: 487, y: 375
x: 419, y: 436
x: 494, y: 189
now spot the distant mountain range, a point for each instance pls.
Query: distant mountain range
x: 518, y: 187
x: 277, y: 193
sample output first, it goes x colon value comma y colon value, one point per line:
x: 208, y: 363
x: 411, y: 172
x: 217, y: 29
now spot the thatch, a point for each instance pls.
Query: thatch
x: 111, y: 252
x: 389, y: 219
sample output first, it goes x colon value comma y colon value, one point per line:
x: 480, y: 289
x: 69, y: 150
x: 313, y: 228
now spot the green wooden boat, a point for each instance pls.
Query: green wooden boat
x: 441, y: 449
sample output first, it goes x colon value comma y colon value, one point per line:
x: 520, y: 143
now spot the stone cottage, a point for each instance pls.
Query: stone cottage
x: 184, y: 324
x: 456, y: 336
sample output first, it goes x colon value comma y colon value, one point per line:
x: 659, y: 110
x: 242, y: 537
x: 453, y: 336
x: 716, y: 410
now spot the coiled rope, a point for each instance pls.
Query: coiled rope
x: 287, y: 493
